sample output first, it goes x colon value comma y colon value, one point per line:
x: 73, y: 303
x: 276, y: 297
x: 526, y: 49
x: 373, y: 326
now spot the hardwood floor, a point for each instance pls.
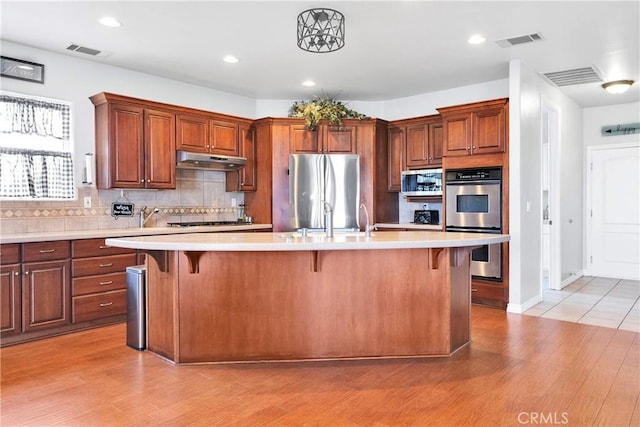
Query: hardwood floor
x: 518, y: 370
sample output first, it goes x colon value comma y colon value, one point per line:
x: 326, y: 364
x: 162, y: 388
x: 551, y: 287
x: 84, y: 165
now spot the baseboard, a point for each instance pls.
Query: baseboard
x: 569, y: 280
x: 521, y: 308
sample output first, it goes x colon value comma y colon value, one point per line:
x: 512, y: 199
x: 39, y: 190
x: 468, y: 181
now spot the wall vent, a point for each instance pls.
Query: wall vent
x: 83, y: 49
x: 513, y: 41
x: 576, y: 76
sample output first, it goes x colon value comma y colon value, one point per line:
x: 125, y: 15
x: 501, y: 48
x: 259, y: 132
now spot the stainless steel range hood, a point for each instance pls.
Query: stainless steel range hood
x: 187, y: 160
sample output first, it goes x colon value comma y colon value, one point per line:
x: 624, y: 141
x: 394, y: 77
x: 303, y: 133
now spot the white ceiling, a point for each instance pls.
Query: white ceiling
x: 393, y: 49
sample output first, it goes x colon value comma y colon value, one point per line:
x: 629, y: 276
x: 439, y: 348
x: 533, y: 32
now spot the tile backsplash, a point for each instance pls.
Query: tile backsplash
x: 199, y: 196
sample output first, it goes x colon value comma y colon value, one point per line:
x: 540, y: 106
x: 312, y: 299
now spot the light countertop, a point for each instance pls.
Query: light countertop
x: 291, y: 241
x: 125, y: 232
x: 409, y: 226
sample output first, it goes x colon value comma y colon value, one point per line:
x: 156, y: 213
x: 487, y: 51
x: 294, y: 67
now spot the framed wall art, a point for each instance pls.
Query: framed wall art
x: 21, y: 70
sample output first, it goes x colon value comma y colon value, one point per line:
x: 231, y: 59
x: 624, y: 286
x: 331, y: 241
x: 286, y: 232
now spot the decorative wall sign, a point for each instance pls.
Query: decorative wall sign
x: 21, y: 70
x: 614, y: 130
x: 119, y: 209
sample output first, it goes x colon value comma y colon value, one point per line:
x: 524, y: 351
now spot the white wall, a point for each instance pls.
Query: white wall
x: 403, y: 108
x: 75, y: 80
x: 595, y: 118
x: 426, y: 103
x: 527, y: 92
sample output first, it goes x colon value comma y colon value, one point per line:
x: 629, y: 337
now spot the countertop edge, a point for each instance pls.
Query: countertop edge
x: 124, y: 232
x: 250, y: 242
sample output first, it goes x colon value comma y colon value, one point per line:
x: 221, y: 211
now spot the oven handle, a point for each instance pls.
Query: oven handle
x: 474, y: 230
x: 486, y: 182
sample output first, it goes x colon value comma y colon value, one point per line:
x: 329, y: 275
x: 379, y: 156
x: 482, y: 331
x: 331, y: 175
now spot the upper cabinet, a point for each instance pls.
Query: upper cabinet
x: 135, y: 144
x: 324, y: 139
x: 396, y: 147
x: 479, y: 128
x: 424, y: 143
x: 245, y: 178
x: 201, y: 134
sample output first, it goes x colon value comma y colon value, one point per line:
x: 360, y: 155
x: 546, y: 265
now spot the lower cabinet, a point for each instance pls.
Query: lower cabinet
x: 99, y: 280
x: 10, y: 300
x: 45, y: 295
x: 50, y: 288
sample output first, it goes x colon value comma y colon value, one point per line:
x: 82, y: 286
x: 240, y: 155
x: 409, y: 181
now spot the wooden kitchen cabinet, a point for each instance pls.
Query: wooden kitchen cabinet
x: 135, y: 144
x: 10, y: 290
x: 223, y: 137
x: 325, y: 139
x: 478, y: 128
x: 46, y: 285
x: 424, y: 144
x: 396, y: 144
x: 99, y: 280
x: 192, y: 133
x: 245, y: 178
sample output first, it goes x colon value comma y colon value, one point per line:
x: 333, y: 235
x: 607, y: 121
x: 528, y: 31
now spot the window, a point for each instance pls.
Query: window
x: 36, y: 159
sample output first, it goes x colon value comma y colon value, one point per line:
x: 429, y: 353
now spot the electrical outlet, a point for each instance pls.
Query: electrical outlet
x: 233, y: 202
x: 87, y: 201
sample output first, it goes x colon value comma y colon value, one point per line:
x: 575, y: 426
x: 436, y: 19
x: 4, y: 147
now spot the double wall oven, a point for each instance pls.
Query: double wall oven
x: 474, y: 205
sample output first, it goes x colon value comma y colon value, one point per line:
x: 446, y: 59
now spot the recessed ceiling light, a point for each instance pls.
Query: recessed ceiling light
x: 618, y: 86
x: 230, y: 59
x: 308, y: 83
x: 108, y: 21
x: 476, y: 39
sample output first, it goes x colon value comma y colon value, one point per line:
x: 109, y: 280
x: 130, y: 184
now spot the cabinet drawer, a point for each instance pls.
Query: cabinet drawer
x: 45, y: 251
x: 95, y: 247
x: 98, y: 306
x: 10, y: 254
x: 102, y: 283
x: 102, y: 265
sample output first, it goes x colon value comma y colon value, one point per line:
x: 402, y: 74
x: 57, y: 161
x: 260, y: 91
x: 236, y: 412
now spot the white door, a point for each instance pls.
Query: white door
x: 614, y: 212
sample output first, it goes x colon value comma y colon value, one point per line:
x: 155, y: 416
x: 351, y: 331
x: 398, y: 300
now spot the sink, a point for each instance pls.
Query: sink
x: 316, y: 234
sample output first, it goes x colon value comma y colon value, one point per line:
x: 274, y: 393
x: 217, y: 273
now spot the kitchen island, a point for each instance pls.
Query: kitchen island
x: 283, y: 296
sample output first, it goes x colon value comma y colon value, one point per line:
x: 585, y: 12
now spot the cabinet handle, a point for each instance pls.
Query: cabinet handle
x: 109, y: 264
x: 104, y: 247
x: 47, y: 251
x: 106, y: 304
x: 108, y: 282
x: 474, y: 290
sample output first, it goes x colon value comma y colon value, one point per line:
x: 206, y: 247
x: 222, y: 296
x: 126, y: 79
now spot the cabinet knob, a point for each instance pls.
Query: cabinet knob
x: 142, y: 180
x: 473, y: 146
x: 468, y: 148
x: 16, y: 273
x: 430, y: 158
x: 26, y: 273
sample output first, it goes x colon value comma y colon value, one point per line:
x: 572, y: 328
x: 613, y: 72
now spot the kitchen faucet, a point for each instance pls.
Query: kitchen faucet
x: 368, y: 227
x: 328, y: 218
x: 142, y: 219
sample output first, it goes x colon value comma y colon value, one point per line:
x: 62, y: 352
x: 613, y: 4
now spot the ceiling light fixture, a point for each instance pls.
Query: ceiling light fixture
x: 230, y: 59
x: 308, y: 83
x: 320, y: 30
x: 618, y: 86
x: 476, y: 39
x: 108, y: 21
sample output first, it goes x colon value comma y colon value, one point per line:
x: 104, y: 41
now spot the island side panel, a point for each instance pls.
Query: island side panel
x: 460, y: 298
x: 271, y: 306
x: 162, y: 310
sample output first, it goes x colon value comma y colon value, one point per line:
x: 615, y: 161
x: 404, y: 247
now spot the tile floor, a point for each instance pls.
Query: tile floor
x: 600, y: 301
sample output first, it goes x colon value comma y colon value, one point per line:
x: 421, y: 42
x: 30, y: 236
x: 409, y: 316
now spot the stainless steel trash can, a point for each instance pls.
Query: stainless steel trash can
x: 136, y: 307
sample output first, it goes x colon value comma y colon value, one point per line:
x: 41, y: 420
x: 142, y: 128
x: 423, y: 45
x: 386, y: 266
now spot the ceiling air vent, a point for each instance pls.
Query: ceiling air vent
x: 576, y: 76
x: 512, y: 41
x: 82, y: 49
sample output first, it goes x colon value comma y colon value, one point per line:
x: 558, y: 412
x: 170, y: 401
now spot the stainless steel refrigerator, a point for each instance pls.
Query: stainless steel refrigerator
x: 316, y: 178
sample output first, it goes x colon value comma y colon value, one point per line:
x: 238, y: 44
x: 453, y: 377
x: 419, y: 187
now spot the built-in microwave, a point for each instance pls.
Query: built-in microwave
x: 422, y: 182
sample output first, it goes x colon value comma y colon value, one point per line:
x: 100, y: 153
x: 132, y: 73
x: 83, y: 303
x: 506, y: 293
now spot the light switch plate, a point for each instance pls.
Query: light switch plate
x: 87, y: 201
